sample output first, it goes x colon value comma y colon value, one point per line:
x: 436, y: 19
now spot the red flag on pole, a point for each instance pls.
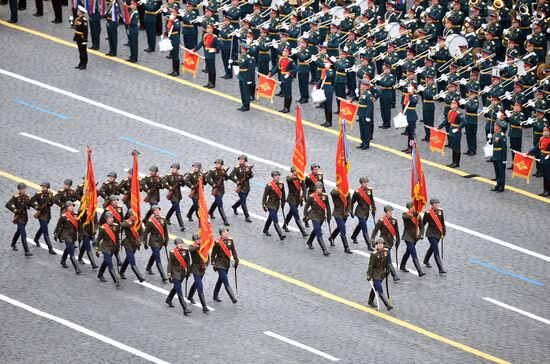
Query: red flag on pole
x: 342, y: 162
x: 419, y: 195
x: 523, y: 165
x: 266, y: 87
x: 205, y: 227
x: 299, y: 157
x: 348, y: 111
x: 190, y: 62
x: 89, y: 198
x: 135, y: 195
x: 437, y: 140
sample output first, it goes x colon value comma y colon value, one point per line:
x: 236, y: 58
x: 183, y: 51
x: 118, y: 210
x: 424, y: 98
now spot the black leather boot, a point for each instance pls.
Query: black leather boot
x: 114, y: 276
x: 439, y: 265
x: 203, y: 303
x: 169, y: 216
x: 80, y: 255
x: 279, y: 231
x: 161, y: 271
x: 346, y: 245
x: 183, y: 305
x: 386, y: 301
x: 180, y: 221
x: 76, y: 267
x: 372, y: 296
x: 310, y: 240
x: 217, y: 291
x: 427, y: 258
x: 302, y: 230
x: 231, y: 295
x: 332, y: 237
x: 118, y: 261
x: 14, y: 241
x: 418, y: 268
x: 36, y: 237
x: 246, y: 214
x: 50, y: 246
x: 322, y: 245
x: 149, y: 266
x: 26, y: 248
x: 190, y: 213
x: 211, y: 211
x: 137, y: 273
x: 123, y: 269
x: 64, y: 259
x: 170, y: 297
x: 101, y: 271
x: 393, y: 273
x: 367, y: 241
x: 235, y: 206
x: 92, y: 259
x: 403, y: 264
x: 266, y: 228
x: 354, y: 235
x: 224, y: 217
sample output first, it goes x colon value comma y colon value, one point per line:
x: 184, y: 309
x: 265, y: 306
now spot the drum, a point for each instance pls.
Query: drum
x: 165, y: 45
x: 488, y: 150
x: 318, y: 96
x: 453, y: 42
x: 235, y: 70
x: 400, y: 121
x: 393, y: 30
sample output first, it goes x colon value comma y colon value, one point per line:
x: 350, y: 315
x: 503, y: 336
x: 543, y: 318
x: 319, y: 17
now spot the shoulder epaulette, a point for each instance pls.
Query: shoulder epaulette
x: 213, y: 169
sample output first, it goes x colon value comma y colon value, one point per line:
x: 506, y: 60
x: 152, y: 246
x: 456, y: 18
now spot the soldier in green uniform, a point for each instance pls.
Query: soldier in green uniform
x: 499, y: 155
x: 326, y: 83
x: 133, y: 32
x: 246, y: 76
x: 303, y: 56
x: 286, y: 68
x: 151, y: 185
x: 538, y: 125
x: 542, y: 149
x: 87, y: 235
x: 150, y: 21
x: 223, y: 253
x: 81, y: 36
x: 173, y: 182
x: 112, y: 26
x: 118, y: 214
x: 109, y: 187
x: 190, y: 31
x: 173, y: 30
x: 42, y: 202
x: 212, y: 45
x: 540, y: 41
x: 191, y: 180
x: 455, y: 122
x: 434, y: 222
x: 273, y: 199
x: 389, y: 231
x: 233, y: 11
x: 341, y: 66
x: 365, y: 114
x: 65, y: 194
x: 19, y: 204
x: 470, y: 115
x: 340, y: 212
x: 314, y: 39
x: 67, y: 232
x: 79, y: 191
x: 178, y: 271
x: 366, y: 68
x: 124, y: 189
x: 333, y: 40
x: 379, y: 264
x: 156, y: 236
x: 216, y: 178
x: 409, y: 109
x: 95, y: 26
x: 295, y: 198
x: 515, y: 132
x: 317, y: 209
x: 491, y: 114
x: 386, y: 83
x: 131, y: 243
x: 263, y: 47
x: 241, y: 175
x: 226, y: 39
x: 428, y: 93
x: 412, y: 223
x: 197, y: 269
x: 364, y: 198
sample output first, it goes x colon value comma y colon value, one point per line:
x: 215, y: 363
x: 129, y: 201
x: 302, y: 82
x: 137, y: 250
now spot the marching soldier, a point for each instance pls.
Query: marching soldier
x: 64, y: 195
x: 133, y: 32
x: 499, y: 155
x: 79, y: 191
x: 173, y: 183
x: 312, y: 178
x: 287, y: 70
x: 364, y: 198
x: 273, y: 198
x: 156, y: 236
x: 216, y: 178
x: 241, y: 175
x: 109, y: 188
x: 412, y: 223
x: 67, y: 232
x: 317, y: 210
x: 112, y: 26
x: 87, y: 235
x: 178, y: 271
x: 118, y: 214
x: 222, y: 254
x: 191, y: 180
x: 81, y: 36
x: 197, y: 269
x: 18, y: 205
x: 131, y: 243
x: 108, y: 243
x: 151, y: 185
x: 42, y: 202
x: 379, y: 264
x: 124, y: 189
x: 434, y: 222
x: 340, y: 212
x: 295, y: 198
x: 389, y: 231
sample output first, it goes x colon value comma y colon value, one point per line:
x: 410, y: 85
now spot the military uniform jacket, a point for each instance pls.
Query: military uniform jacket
x: 19, y: 204
x: 65, y: 230
x: 173, y: 183
x: 499, y: 147
x: 63, y: 196
x: 515, y: 120
x: 366, y: 103
x: 151, y: 185
x: 410, y: 226
x: 378, y: 265
x: 340, y: 210
x: 246, y: 68
x: 241, y: 175
x: 432, y: 231
x: 387, y: 81
x: 191, y: 180
x: 117, y: 219
x: 79, y: 192
x: 363, y: 207
x: 189, y: 26
x: 104, y: 242
x: 130, y: 241
x: 311, y: 179
x: 87, y: 229
x: 313, y: 211
x: 428, y: 97
x: 302, y: 57
x: 220, y: 260
x: 42, y: 203
x: 198, y: 266
x: 271, y: 199
x: 175, y: 269
x: 153, y: 236
x: 385, y: 232
x: 470, y: 108
x: 215, y: 178
x: 80, y: 26
x: 108, y: 189
x: 296, y: 190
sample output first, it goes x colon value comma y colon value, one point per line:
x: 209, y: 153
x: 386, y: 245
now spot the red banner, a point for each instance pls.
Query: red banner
x: 266, y: 87
x: 205, y: 227
x: 522, y: 166
x: 89, y: 198
x: 437, y: 140
x: 348, y: 111
x: 178, y: 256
x: 342, y: 164
x: 126, y: 14
x: 135, y: 194
x: 419, y: 195
x: 299, y: 157
x: 190, y: 63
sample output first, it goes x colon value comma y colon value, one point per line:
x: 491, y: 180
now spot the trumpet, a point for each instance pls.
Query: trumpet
x: 164, y: 6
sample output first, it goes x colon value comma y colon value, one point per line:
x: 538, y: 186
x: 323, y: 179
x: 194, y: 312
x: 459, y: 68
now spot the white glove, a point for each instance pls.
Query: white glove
x: 461, y: 101
x: 548, y: 156
x: 489, y: 136
x: 383, y: 44
x: 362, y: 51
x: 238, y: 35
x: 230, y: 61
x: 529, y: 36
x: 485, y: 110
x: 444, y: 77
x: 164, y: 10
x: 455, y: 130
x: 401, y: 62
x: 71, y: 18
x: 418, y: 41
x: 314, y: 57
x: 275, y: 45
x: 286, y: 76
x: 463, y: 81
x: 345, y: 49
x: 172, y: 17
x: 294, y: 51
x: 181, y: 12
x: 546, y: 81
x: 531, y: 103
x: 421, y: 88
x: 484, y: 26
x: 205, y: 3
x: 333, y: 59
x: 486, y: 89
x: 285, y: 26
x: 249, y: 83
x: 508, y: 113
x: 84, y: 43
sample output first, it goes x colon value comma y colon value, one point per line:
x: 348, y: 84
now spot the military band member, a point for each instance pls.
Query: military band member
x: 434, y: 223
x: 303, y: 56
x: 317, y: 209
x: 151, y: 185
x: 379, y: 264
x: 295, y: 198
x: 273, y: 199
x: 389, y: 231
x: 365, y: 114
x: 428, y: 106
x: 326, y: 83
x: 131, y: 243
x: 67, y: 232
x: 386, y: 83
x: 516, y: 130
x: 109, y: 188
x: 190, y: 31
x: 246, y: 77
x: 18, y: 205
x: 178, y: 271
x: 364, y: 198
x: 538, y: 125
x: 87, y: 235
x: 133, y: 32
x: 113, y: 9
x: 456, y: 122
x: 156, y: 236
x: 340, y: 212
x: 212, y: 45
x: 150, y: 21
x: 191, y: 180
x: 286, y: 68
x: 413, y: 226
x: 470, y: 108
x: 173, y: 183
x: 197, y: 269
x: 42, y: 202
x: 223, y: 253
x: 216, y: 178
x: 409, y: 104
x: 173, y: 30
x: 543, y: 150
x: 499, y: 155
x: 65, y: 194
x: 241, y: 175
x: 81, y: 36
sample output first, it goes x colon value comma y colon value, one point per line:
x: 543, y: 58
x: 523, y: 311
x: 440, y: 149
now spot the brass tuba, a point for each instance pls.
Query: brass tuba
x: 497, y: 4
x: 473, y: 2
x: 523, y: 9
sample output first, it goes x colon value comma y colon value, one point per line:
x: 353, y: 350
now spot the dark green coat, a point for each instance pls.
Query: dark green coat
x: 216, y: 178
x: 19, y: 204
x: 363, y: 208
x: 130, y: 241
x: 432, y: 231
x: 241, y: 175
x: 378, y: 265
x: 63, y: 196
x: 104, y: 241
x: 271, y: 199
x: 499, y: 147
x: 339, y: 210
x: 219, y: 259
x: 42, y: 203
x: 65, y: 231
x: 175, y: 269
x: 173, y: 183
x: 410, y: 229
x: 155, y: 239
x: 314, y: 212
x: 152, y: 185
x: 198, y: 266
x: 296, y: 194
x: 108, y: 189
x: 385, y: 234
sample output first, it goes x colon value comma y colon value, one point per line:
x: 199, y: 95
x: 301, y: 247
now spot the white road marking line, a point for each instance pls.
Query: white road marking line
x: 164, y: 291
x: 83, y: 330
x: 515, y: 309
x: 250, y: 156
x: 365, y: 254
x: 301, y: 346
x: 360, y: 252
x: 72, y: 150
